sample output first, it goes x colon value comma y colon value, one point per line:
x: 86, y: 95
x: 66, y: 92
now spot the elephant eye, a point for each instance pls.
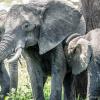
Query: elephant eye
x: 26, y: 26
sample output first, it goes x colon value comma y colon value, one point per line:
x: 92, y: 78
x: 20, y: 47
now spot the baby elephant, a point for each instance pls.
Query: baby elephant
x: 83, y: 52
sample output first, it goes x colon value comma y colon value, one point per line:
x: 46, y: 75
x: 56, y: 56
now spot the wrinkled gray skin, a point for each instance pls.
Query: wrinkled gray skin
x: 91, y: 13
x: 40, y: 30
x: 84, y: 52
x: 80, y: 86
x: 4, y: 77
x: 7, y: 82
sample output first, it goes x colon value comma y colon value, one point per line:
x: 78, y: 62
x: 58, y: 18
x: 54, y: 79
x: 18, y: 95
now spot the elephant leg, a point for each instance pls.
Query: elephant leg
x: 93, y: 88
x: 58, y: 72
x: 13, y: 69
x: 4, y: 80
x: 81, y: 85
x: 44, y: 79
x: 69, y: 87
x: 35, y: 73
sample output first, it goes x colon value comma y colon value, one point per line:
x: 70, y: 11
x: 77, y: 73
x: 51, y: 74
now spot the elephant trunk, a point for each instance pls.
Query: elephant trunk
x: 6, y: 46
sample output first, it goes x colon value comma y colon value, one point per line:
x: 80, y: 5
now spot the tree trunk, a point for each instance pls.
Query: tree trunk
x: 91, y: 12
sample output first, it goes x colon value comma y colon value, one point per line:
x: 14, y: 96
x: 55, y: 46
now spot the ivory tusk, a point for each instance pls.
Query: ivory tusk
x: 16, y: 56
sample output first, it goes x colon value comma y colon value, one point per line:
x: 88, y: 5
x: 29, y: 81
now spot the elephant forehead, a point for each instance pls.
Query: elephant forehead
x: 28, y: 16
x: 25, y: 15
x: 2, y: 18
x: 12, y: 23
x: 13, y: 19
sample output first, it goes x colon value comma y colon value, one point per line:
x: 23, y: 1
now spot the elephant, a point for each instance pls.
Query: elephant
x: 82, y: 52
x: 80, y: 86
x: 38, y: 32
x: 6, y: 82
x: 4, y: 77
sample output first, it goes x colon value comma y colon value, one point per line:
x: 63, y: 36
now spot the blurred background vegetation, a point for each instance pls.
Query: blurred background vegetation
x: 9, y: 1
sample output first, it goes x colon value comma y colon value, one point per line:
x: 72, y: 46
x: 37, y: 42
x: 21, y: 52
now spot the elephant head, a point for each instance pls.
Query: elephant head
x: 78, y: 53
x: 35, y: 24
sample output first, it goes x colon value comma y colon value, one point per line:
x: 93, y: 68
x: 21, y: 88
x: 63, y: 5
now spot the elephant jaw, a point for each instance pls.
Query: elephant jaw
x: 16, y: 56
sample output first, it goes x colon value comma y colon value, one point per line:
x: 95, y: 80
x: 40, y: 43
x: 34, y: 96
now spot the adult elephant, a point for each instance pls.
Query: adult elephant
x: 39, y: 30
x: 7, y: 82
x: 83, y: 53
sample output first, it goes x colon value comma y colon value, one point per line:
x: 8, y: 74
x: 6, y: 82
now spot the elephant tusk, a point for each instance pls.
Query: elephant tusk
x: 16, y: 56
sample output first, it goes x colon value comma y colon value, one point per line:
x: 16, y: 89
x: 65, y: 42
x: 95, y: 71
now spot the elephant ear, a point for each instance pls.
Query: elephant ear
x: 79, y: 54
x: 59, y: 21
x: 81, y: 29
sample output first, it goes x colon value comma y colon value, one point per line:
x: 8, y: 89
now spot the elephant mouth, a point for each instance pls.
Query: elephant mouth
x: 16, y: 55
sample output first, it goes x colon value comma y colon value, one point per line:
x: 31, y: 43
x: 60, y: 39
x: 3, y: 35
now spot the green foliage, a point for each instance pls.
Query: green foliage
x: 19, y: 95
x: 6, y: 1
x: 26, y: 94
x: 10, y: 1
x: 47, y: 89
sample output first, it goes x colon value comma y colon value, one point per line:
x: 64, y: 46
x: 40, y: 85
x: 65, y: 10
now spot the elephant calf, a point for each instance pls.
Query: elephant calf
x: 83, y: 52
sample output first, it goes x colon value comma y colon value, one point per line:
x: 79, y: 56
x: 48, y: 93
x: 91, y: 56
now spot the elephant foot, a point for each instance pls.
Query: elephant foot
x: 55, y: 96
x: 39, y: 95
x: 2, y: 97
x: 4, y: 93
x: 93, y: 98
x: 40, y: 98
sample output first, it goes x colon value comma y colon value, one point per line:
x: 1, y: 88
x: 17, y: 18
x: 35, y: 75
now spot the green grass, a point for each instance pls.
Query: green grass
x: 6, y: 1
x: 47, y: 89
x: 24, y: 91
x: 9, y: 1
x: 26, y: 94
